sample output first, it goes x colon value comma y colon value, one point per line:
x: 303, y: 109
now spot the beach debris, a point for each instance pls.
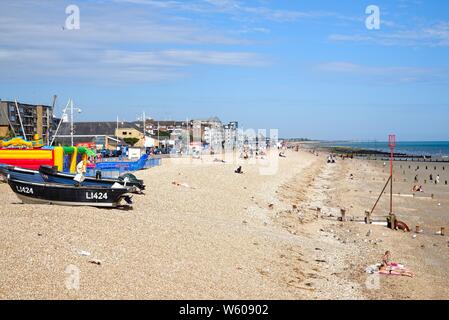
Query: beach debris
x: 343, y: 215
x: 414, y: 236
x: 84, y: 253
x: 39, y: 234
x: 271, y: 205
x: 372, y: 269
x: 244, y: 222
x: 95, y: 261
x: 179, y: 184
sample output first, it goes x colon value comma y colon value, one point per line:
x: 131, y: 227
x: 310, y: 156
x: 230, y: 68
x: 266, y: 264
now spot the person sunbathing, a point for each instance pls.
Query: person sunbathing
x: 395, y: 271
x: 386, y: 258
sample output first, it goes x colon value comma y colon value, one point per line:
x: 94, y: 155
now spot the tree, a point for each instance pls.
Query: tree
x: 131, y: 141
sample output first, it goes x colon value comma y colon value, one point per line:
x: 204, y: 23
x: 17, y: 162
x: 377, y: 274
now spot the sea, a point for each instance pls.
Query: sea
x: 415, y: 148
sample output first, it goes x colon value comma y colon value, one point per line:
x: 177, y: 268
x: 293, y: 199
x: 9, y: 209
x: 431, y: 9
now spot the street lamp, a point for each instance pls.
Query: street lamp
x: 71, y: 120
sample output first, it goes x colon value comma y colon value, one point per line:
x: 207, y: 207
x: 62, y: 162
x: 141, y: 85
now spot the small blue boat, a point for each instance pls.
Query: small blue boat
x: 17, y: 173
x: 51, y: 175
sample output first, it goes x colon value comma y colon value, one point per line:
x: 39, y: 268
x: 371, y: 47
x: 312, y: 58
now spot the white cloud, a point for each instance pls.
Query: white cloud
x: 434, y: 35
x: 112, y: 46
x: 385, y: 74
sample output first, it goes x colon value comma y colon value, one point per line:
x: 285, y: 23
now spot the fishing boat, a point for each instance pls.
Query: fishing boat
x: 60, y: 194
x: 20, y: 174
x: 52, y: 175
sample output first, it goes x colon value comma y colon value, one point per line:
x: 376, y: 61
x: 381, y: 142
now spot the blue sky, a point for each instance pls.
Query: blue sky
x: 309, y: 68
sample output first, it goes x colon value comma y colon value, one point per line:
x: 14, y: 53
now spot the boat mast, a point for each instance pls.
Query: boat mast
x: 20, y: 119
x: 60, y: 121
x: 48, y: 118
x: 71, y: 122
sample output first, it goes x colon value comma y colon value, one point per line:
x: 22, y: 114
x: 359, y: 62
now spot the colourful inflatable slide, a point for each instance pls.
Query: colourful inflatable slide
x: 27, y: 155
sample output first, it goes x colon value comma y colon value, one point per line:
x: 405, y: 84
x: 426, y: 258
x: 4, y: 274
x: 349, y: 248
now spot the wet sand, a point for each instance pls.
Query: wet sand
x: 219, y: 235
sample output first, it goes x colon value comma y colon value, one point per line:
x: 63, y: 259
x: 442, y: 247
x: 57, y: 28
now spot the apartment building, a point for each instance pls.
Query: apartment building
x: 34, y: 119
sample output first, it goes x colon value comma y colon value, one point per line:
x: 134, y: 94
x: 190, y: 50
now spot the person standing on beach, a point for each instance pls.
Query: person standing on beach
x: 437, y: 180
x: 80, y: 171
x: 416, y: 179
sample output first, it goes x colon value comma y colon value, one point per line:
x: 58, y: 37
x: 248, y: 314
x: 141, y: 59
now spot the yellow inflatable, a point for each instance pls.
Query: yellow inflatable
x: 20, y: 142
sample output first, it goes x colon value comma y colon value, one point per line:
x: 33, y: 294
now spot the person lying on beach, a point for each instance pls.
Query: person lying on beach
x: 239, y: 170
x: 395, y: 271
x: 417, y: 188
x: 282, y: 155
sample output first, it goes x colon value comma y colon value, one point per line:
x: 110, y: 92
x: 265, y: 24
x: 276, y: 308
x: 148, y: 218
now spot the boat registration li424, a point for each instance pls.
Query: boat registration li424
x: 60, y: 194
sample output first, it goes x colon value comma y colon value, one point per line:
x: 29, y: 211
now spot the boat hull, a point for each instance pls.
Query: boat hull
x: 52, y: 176
x: 17, y: 173
x: 45, y: 193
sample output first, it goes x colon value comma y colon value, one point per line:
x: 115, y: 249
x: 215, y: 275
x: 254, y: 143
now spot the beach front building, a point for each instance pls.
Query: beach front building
x: 231, y: 134
x: 34, y: 119
x: 104, y: 135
